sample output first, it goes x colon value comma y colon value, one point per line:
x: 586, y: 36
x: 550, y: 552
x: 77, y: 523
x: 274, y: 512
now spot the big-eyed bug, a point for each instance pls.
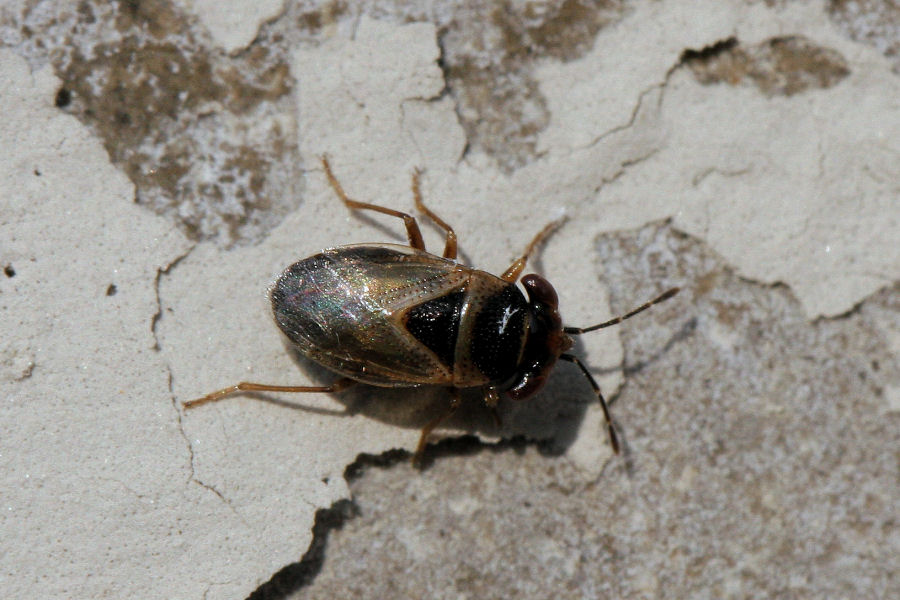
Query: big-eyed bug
x: 396, y: 316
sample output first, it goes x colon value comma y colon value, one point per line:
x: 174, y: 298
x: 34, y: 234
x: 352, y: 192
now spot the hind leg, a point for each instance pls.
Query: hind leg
x: 451, y: 243
x: 244, y: 386
x: 412, y: 227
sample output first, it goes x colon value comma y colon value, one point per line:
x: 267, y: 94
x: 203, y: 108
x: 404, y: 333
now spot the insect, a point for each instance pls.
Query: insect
x: 397, y: 316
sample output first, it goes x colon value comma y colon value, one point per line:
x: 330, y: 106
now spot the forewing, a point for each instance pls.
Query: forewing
x: 342, y: 308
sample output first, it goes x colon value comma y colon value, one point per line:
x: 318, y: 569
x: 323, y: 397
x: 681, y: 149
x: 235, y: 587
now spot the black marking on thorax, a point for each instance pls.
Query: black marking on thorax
x: 435, y: 324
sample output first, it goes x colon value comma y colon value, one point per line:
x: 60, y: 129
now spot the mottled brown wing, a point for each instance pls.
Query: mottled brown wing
x: 343, y: 309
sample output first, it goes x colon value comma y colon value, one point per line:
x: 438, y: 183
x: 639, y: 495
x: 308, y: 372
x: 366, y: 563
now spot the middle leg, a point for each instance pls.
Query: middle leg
x: 246, y: 386
x: 423, y: 438
x: 491, y: 400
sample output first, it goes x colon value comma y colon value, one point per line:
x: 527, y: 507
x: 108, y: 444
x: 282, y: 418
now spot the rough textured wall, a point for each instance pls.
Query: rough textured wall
x: 162, y: 167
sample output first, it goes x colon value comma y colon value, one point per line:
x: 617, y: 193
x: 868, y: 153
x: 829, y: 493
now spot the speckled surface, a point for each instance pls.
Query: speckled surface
x: 162, y: 168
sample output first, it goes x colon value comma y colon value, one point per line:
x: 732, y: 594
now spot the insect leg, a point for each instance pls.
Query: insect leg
x: 450, y: 244
x: 244, y: 386
x: 423, y: 439
x: 412, y: 228
x: 613, y: 438
x: 491, y: 399
x: 491, y: 396
x: 515, y: 269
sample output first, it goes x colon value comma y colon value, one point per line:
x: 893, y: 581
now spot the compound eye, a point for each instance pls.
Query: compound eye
x: 540, y: 290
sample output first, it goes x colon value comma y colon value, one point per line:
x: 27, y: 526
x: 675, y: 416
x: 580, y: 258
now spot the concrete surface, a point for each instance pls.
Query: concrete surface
x: 744, y: 151
x: 768, y: 469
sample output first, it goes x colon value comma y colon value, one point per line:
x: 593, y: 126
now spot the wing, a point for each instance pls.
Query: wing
x: 343, y: 308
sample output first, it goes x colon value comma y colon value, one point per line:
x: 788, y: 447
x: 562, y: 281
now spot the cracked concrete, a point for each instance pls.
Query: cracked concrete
x: 768, y: 468
x: 91, y: 430
x: 642, y: 115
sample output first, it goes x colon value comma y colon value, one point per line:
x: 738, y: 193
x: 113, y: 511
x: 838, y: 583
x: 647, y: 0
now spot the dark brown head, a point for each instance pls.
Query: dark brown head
x: 545, y: 342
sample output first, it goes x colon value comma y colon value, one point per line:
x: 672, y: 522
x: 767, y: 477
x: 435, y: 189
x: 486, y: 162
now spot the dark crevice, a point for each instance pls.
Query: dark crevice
x: 301, y: 574
x: 160, y: 272
x: 364, y: 462
x: 707, y: 52
x: 295, y: 576
x: 63, y: 98
x: 470, y: 445
x: 782, y: 65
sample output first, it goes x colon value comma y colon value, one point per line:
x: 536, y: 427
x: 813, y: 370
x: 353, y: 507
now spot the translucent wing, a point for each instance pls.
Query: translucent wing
x: 343, y: 309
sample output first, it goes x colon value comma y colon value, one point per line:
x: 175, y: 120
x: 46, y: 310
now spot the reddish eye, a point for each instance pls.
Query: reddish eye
x: 540, y: 290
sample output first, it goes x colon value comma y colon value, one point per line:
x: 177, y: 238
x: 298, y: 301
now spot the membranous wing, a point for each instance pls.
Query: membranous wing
x: 349, y: 309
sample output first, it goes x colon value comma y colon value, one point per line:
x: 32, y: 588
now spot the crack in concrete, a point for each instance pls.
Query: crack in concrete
x: 160, y: 271
x: 192, y: 475
x: 401, y: 121
x: 623, y: 169
x: 702, y: 175
x: 687, y: 55
x: 296, y: 576
x: 122, y: 484
x: 225, y: 500
x: 154, y: 322
x: 634, y: 113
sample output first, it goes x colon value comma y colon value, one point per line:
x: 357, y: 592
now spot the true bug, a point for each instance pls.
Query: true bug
x: 396, y: 316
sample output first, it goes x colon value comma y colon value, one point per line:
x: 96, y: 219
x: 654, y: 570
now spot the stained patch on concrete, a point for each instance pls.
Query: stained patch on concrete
x: 872, y: 22
x: 200, y: 134
x: 779, y: 66
x: 499, y: 103
x: 489, y: 52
